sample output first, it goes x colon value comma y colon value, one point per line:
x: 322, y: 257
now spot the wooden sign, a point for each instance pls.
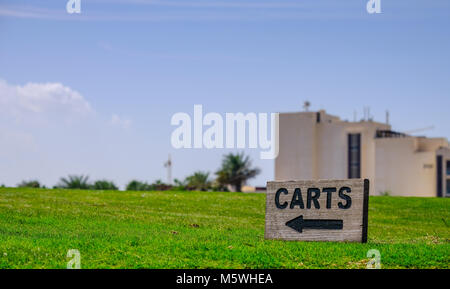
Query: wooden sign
x: 322, y: 210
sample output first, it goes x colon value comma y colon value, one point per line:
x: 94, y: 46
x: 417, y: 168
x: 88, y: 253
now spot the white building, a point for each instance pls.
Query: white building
x: 316, y: 145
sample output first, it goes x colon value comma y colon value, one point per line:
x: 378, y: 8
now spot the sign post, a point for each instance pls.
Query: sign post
x: 322, y: 210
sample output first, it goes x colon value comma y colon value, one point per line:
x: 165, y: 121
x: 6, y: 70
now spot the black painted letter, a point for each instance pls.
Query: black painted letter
x: 277, y: 198
x: 343, y: 196
x: 297, y: 199
x: 314, y: 198
x: 329, y: 192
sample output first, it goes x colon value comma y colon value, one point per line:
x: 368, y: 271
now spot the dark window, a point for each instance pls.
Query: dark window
x: 318, y: 117
x: 439, y: 176
x: 448, y: 168
x: 448, y: 186
x: 354, y: 156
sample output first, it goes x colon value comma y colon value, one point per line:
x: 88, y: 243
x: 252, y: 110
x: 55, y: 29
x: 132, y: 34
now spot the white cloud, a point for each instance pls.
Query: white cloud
x: 42, y: 100
x: 49, y: 130
x: 120, y: 121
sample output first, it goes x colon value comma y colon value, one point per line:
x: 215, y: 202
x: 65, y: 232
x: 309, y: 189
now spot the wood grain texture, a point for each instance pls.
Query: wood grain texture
x: 354, y: 218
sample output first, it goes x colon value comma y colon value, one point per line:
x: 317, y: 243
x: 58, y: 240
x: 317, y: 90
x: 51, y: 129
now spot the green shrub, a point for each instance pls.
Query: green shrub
x: 29, y: 184
x: 105, y: 185
x: 179, y: 185
x: 158, y: 185
x: 135, y: 185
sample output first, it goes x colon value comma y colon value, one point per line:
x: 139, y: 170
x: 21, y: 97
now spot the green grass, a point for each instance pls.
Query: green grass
x: 202, y: 230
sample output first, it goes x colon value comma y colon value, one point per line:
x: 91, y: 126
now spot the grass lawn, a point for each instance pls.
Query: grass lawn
x: 202, y: 230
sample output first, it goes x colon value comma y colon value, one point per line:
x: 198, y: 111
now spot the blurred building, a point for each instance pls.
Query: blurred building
x: 251, y: 189
x: 316, y: 145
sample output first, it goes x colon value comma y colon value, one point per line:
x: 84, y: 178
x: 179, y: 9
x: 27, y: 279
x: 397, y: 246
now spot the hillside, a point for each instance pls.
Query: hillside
x: 202, y: 230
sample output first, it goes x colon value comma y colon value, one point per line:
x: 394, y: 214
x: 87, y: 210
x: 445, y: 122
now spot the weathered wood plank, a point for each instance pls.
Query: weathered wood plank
x: 330, y: 210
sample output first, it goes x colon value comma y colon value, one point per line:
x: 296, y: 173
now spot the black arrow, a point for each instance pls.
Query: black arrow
x: 299, y: 224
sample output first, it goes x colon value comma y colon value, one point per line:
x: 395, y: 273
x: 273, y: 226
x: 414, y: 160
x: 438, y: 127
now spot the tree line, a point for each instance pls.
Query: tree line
x: 235, y: 170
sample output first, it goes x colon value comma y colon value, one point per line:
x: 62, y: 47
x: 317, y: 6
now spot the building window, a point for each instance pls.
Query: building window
x: 354, y: 156
x: 448, y: 168
x: 439, y: 176
x: 448, y: 186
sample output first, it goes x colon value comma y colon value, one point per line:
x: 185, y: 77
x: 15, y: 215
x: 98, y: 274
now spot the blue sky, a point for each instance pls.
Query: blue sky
x: 103, y: 85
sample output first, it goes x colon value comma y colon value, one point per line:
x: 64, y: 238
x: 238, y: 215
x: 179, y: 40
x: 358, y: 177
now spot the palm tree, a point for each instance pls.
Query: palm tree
x: 199, y: 181
x: 236, y: 169
x: 74, y: 182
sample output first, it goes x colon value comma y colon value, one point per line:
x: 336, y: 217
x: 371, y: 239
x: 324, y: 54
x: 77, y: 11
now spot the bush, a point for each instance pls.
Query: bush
x: 82, y: 182
x: 105, y: 185
x: 218, y: 187
x: 29, y: 184
x: 135, y: 185
x: 179, y: 185
x: 158, y: 185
